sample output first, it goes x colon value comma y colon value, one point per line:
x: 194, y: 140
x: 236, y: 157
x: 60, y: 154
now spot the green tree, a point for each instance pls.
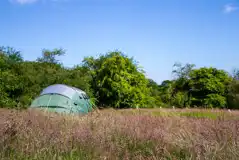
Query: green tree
x: 233, y: 91
x: 117, y: 81
x: 49, y: 56
x: 11, y: 85
x: 181, y: 84
x: 155, y: 94
x: 22, y: 81
x: 11, y: 54
x: 209, y: 87
x: 166, y: 89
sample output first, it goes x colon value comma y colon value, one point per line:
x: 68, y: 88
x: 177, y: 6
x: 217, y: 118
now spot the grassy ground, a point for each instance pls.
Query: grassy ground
x: 191, y: 113
x: 123, y: 134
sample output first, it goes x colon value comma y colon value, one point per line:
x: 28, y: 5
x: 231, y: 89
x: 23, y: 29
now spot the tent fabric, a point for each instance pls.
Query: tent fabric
x: 62, y: 98
x: 60, y: 89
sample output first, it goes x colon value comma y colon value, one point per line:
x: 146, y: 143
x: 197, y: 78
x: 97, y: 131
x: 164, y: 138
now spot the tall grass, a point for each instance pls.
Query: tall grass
x: 107, y: 135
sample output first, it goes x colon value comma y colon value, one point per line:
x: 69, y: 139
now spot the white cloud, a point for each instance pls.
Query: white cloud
x: 34, y: 1
x: 23, y: 1
x: 228, y: 8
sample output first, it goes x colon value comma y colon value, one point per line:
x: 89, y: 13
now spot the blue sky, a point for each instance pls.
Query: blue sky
x: 157, y: 33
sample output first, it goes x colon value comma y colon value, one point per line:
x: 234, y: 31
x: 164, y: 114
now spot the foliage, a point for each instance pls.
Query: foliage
x: 203, y: 87
x: 115, y: 80
x: 209, y: 87
x: 233, y: 94
x: 49, y: 56
x: 166, y: 91
x: 182, y: 84
x: 11, y: 54
x: 22, y: 81
x: 155, y: 94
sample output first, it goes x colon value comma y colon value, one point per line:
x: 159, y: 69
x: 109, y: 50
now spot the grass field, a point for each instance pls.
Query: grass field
x: 120, y: 134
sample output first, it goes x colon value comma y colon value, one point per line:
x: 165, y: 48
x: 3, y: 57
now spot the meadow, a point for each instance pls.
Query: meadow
x: 120, y: 134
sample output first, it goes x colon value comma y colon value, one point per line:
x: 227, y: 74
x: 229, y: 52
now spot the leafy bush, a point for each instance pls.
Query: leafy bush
x: 114, y: 80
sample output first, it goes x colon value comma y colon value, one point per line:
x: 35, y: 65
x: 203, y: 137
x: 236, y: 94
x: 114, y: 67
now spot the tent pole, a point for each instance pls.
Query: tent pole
x: 49, y: 101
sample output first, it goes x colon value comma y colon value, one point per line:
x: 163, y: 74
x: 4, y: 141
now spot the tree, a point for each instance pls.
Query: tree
x: 182, y: 71
x: 235, y: 74
x: 181, y: 84
x: 11, y: 85
x: 209, y: 87
x: 114, y: 80
x: 155, y: 94
x: 22, y: 81
x: 233, y: 91
x: 11, y: 54
x: 49, y: 56
x: 117, y: 80
x: 166, y: 91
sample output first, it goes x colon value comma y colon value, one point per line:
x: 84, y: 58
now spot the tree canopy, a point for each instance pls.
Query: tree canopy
x: 115, y: 80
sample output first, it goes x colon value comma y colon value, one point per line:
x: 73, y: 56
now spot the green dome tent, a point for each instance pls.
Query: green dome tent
x: 63, y: 99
